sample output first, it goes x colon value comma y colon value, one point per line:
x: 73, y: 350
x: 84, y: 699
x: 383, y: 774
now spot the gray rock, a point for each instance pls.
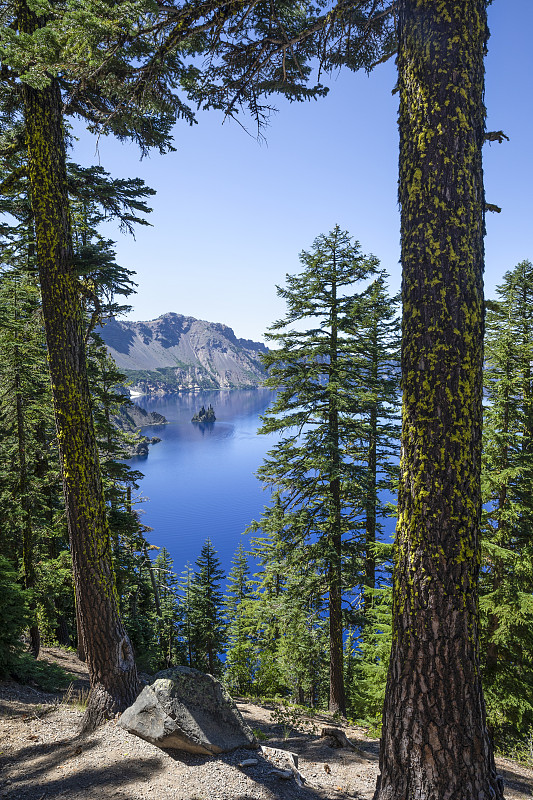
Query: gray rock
x: 188, y: 710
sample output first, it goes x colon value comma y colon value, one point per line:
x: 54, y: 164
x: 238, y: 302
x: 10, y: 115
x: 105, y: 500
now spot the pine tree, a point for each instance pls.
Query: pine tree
x: 303, y: 645
x: 368, y: 659
x: 507, y: 575
x: 109, y: 654
x: 27, y: 472
x: 377, y: 429
x: 185, y: 607
x: 205, y: 625
x: 239, y: 664
x: 337, y: 394
x: 264, y: 615
x: 172, y: 650
x: 442, y: 223
x: 288, y: 629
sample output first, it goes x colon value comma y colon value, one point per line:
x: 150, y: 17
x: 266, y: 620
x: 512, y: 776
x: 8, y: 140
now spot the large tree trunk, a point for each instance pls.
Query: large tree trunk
x: 112, y: 670
x: 435, y: 743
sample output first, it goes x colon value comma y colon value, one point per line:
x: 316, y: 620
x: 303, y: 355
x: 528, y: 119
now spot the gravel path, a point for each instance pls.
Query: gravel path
x: 42, y: 756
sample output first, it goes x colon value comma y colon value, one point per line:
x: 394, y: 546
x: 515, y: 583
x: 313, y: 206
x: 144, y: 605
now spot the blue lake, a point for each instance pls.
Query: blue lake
x: 199, y: 480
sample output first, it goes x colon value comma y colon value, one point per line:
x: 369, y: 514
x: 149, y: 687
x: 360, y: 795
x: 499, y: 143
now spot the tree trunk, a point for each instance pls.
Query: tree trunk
x: 337, y: 697
x: 371, y: 500
x: 62, y: 631
x: 435, y: 742
x: 28, y: 555
x: 112, y: 669
x: 155, y: 589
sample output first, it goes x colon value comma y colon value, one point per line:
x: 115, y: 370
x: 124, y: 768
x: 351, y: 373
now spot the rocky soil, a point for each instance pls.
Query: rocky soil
x: 43, y: 756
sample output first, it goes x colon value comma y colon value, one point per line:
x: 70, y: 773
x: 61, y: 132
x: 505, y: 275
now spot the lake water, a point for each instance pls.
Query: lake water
x: 199, y: 480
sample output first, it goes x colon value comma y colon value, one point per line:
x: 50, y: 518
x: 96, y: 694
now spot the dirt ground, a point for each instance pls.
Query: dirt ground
x: 43, y: 756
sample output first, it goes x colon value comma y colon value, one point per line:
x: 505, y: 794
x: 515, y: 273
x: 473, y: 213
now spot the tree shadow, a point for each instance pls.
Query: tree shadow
x: 34, y: 778
x: 264, y: 772
x: 514, y: 780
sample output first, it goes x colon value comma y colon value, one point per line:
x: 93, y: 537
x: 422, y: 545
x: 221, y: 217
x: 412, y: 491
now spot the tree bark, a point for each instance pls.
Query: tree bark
x: 371, y: 500
x: 435, y: 742
x: 28, y: 539
x: 112, y: 669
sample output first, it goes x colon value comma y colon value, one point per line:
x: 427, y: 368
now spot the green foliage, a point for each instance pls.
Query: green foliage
x: 48, y: 677
x: 367, y: 663
x: 240, y: 655
x: 293, y: 718
x: 33, y: 533
x: 203, y: 613
x: 14, y: 617
x: 506, y: 580
x: 336, y: 371
x: 171, y: 644
x: 133, y: 68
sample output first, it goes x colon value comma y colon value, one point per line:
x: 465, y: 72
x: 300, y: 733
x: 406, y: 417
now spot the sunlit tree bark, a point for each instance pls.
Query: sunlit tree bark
x: 435, y: 743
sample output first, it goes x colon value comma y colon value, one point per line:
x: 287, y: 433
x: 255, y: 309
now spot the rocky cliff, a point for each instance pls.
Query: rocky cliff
x: 131, y: 419
x: 174, y: 352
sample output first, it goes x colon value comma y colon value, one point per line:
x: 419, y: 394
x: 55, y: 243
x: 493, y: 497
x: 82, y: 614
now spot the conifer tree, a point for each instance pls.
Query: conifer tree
x: 316, y: 481
x: 100, y: 280
x: 507, y: 480
x: 109, y: 654
x: 264, y: 613
x: 368, y: 659
x: 205, y: 625
x: 171, y: 645
x: 302, y: 651
x: 239, y: 664
x: 26, y: 425
x: 289, y: 631
x: 185, y: 590
x: 14, y: 617
x: 377, y: 428
x: 440, y: 59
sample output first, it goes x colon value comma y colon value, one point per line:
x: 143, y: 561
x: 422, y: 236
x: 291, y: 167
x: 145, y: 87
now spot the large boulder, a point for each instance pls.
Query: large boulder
x: 188, y: 710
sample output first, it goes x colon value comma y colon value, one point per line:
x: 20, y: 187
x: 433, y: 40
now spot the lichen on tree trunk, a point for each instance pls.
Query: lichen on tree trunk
x: 435, y: 743
x: 110, y: 661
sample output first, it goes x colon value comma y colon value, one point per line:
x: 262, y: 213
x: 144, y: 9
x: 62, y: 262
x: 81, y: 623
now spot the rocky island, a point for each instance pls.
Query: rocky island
x: 205, y: 415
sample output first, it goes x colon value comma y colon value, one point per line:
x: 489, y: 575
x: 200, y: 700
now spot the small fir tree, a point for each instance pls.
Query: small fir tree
x: 239, y: 664
x: 206, y: 627
x: 171, y: 645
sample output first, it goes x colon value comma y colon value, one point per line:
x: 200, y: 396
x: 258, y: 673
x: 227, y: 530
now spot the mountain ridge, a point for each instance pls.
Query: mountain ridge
x: 175, y: 352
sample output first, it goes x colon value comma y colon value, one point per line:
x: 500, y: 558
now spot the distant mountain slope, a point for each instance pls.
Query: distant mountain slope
x: 176, y: 352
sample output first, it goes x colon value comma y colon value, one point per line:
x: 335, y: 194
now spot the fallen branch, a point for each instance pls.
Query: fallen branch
x: 275, y: 755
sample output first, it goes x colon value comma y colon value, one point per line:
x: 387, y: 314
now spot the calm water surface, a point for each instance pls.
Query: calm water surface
x: 199, y: 480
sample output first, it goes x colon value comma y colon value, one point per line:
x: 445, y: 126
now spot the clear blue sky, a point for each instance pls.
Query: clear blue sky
x: 231, y: 215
